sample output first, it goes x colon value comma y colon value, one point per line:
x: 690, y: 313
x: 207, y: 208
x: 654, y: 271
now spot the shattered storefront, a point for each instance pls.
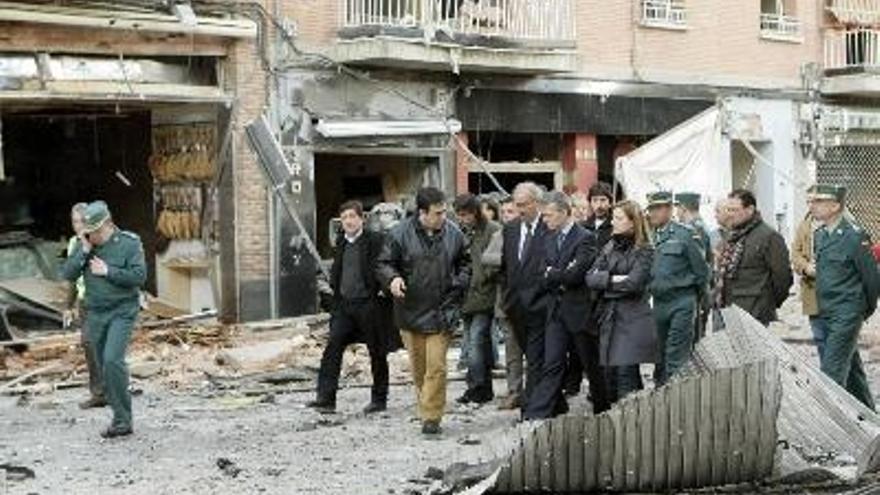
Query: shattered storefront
x: 375, y: 141
x: 144, y: 133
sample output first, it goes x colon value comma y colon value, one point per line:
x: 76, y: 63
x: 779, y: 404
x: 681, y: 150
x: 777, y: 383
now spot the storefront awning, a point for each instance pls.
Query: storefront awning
x: 859, y: 12
x: 349, y: 128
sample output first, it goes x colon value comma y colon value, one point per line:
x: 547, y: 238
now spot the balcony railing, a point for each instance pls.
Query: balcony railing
x: 513, y: 19
x: 852, y: 49
x: 780, y: 26
x: 664, y: 13
x: 855, y: 12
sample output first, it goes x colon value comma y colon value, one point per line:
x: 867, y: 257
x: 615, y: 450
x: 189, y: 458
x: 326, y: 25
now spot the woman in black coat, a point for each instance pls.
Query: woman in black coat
x: 620, y: 277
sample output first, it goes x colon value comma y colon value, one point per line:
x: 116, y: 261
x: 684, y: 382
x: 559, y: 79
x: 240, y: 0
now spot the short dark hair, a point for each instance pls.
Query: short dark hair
x: 428, y: 196
x: 746, y: 197
x: 466, y: 202
x: 601, y: 189
x: 505, y: 199
x: 491, y: 202
x: 352, y: 204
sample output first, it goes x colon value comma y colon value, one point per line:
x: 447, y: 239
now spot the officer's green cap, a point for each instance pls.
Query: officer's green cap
x: 830, y: 192
x: 688, y: 199
x: 95, y: 215
x: 659, y: 198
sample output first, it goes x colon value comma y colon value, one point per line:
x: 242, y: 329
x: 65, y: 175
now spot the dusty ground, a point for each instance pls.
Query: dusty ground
x: 242, y: 400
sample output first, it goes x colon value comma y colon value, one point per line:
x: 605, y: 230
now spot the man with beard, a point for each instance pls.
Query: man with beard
x: 754, y: 271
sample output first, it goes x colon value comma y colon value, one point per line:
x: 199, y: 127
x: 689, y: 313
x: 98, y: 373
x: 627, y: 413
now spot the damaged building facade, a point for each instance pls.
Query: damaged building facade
x: 146, y: 104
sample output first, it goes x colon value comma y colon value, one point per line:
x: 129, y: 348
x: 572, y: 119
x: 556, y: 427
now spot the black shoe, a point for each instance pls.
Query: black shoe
x: 466, y: 398
x: 374, y: 407
x: 93, y: 402
x: 482, y: 396
x: 322, y: 406
x: 431, y: 428
x: 117, y: 431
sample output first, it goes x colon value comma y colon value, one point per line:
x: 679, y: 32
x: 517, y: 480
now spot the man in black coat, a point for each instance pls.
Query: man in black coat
x: 522, y: 265
x: 359, y: 313
x: 569, y: 252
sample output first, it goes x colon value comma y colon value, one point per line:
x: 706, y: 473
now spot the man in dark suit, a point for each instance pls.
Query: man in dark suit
x: 601, y: 198
x: 522, y: 265
x: 359, y: 313
x: 570, y: 251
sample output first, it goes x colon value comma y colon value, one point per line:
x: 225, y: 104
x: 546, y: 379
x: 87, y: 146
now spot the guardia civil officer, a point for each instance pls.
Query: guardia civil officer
x: 111, y: 262
x: 678, y: 274
x: 847, y: 287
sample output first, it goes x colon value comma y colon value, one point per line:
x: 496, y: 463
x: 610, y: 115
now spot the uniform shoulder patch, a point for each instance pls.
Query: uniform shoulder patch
x: 130, y: 235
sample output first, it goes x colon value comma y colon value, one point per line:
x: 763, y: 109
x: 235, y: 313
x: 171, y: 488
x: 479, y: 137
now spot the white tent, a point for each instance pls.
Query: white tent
x: 688, y: 157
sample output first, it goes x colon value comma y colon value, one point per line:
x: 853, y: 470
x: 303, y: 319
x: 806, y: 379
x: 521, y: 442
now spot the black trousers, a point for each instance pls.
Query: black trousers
x: 547, y: 399
x: 353, y: 322
x: 529, y: 329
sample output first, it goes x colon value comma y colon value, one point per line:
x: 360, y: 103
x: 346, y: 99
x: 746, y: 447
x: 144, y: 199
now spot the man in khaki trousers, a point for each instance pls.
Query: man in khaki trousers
x: 425, y: 265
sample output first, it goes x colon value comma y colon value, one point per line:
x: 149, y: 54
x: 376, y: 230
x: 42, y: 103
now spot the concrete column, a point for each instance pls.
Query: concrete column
x: 579, y: 161
x: 461, y: 164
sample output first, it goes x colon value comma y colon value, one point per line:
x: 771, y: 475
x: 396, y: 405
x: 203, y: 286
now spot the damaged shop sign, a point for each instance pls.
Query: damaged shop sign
x: 748, y: 409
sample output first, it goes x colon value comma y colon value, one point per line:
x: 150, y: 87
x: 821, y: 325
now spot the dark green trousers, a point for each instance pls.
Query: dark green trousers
x: 110, y: 333
x: 674, y: 316
x: 840, y: 357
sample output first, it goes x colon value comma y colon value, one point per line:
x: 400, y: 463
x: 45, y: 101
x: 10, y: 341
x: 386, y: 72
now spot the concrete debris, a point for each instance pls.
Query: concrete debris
x: 434, y: 473
x: 469, y: 440
x: 145, y: 369
x: 228, y: 467
x: 17, y: 473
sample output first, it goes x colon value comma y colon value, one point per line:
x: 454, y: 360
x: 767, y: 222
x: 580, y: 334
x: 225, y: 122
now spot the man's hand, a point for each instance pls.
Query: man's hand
x: 810, y: 270
x: 98, y: 267
x: 86, y: 245
x: 398, y: 288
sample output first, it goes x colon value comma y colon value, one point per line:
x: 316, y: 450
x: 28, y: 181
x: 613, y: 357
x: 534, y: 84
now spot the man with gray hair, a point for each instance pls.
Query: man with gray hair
x: 522, y: 266
x: 569, y: 251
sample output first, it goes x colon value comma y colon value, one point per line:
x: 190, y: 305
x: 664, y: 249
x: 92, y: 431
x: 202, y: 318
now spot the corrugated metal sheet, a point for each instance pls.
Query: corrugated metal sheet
x: 711, y: 429
x: 748, y: 408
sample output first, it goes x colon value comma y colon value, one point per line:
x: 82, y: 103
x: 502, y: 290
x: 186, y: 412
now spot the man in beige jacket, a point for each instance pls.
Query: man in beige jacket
x: 804, y: 264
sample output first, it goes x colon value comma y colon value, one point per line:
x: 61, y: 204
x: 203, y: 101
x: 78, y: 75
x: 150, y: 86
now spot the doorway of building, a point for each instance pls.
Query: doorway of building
x: 60, y: 156
x: 368, y: 178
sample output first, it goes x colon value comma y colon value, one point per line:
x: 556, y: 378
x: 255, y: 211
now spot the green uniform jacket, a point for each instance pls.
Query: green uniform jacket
x: 126, y: 271
x: 846, y: 276
x: 482, y: 292
x: 679, y: 263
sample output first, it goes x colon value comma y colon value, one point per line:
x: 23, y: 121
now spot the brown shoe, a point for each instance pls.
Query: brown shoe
x: 93, y: 402
x: 509, y: 403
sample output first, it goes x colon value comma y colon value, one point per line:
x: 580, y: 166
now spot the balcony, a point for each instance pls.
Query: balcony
x: 855, y: 12
x: 670, y: 14
x: 780, y: 27
x: 852, y: 62
x: 510, y: 36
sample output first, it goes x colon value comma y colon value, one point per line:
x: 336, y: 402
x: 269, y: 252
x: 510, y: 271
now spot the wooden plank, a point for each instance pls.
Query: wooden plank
x: 690, y: 425
x: 736, y: 424
x: 559, y: 443
x: 545, y: 456
x: 720, y: 406
x: 770, y: 401
x: 502, y: 483
x: 605, y: 474
x: 618, y: 464
x: 574, y: 431
x: 752, y: 420
x: 591, y: 453
x: 47, y: 294
x: 517, y: 469
x: 646, y: 432
x: 706, y: 432
x: 675, y: 436
x: 631, y: 444
x: 531, y: 464
x: 661, y: 439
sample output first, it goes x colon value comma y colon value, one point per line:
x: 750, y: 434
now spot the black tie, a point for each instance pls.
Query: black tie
x: 528, y: 242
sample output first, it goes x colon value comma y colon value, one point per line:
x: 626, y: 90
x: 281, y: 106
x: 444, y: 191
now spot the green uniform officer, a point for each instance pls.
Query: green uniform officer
x: 688, y: 205
x: 847, y: 287
x: 679, y: 273
x: 111, y: 262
